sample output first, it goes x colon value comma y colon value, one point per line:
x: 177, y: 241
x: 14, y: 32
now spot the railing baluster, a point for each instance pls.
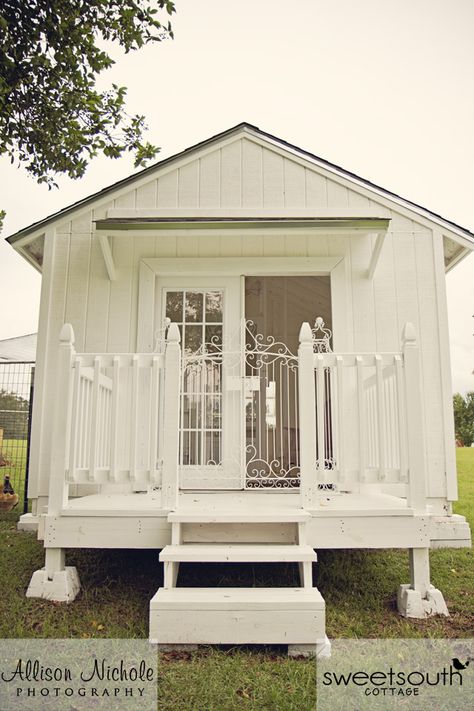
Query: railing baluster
x: 134, y: 416
x: 154, y: 418
x: 114, y: 430
x: 320, y: 414
x: 75, y: 420
x: 339, y: 451
x: 361, y: 412
x: 401, y: 419
x: 94, y: 421
x: 380, y: 417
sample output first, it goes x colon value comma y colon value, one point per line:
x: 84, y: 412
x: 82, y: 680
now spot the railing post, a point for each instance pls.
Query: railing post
x: 169, y: 486
x: 307, y: 416
x: 61, y: 430
x: 415, y: 421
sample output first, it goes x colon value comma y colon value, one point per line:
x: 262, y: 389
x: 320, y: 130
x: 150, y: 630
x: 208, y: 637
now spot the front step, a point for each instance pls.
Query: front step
x: 237, y: 553
x: 237, y: 616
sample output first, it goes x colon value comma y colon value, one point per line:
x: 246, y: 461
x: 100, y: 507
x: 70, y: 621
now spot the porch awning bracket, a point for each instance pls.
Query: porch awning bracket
x: 108, y: 256
x: 374, y: 260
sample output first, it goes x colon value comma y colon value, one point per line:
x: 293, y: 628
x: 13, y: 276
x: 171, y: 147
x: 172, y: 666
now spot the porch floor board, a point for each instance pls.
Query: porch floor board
x: 285, y: 503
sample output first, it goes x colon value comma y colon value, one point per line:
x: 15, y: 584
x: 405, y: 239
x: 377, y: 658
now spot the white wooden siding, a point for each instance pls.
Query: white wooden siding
x: 243, y: 173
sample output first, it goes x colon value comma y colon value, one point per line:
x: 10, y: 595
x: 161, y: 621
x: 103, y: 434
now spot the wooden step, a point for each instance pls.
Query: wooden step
x: 235, y: 516
x: 237, y: 616
x: 237, y: 553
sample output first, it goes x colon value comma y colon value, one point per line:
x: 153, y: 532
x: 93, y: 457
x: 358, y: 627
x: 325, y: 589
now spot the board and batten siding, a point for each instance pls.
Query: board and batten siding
x: 244, y: 173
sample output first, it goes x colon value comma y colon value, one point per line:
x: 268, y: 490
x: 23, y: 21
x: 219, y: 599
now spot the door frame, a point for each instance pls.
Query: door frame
x: 336, y: 267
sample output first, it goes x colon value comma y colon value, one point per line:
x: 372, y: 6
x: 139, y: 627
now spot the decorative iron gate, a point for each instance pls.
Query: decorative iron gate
x: 239, y: 414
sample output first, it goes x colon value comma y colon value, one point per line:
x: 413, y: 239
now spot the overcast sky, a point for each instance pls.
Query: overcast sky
x: 384, y: 88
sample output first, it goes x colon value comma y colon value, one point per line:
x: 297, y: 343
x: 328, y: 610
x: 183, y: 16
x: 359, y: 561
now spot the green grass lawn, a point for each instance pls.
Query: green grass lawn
x: 14, y: 452
x: 359, y: 588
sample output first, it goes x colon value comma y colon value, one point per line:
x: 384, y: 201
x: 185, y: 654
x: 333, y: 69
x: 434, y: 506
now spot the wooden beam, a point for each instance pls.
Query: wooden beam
x: 108, y: 257
x: 376, y: 254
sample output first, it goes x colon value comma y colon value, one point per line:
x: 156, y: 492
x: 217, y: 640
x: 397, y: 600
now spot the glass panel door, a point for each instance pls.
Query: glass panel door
x: 208, y: 316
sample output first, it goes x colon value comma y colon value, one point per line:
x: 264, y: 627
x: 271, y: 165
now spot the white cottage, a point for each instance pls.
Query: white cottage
x: 243, y: 356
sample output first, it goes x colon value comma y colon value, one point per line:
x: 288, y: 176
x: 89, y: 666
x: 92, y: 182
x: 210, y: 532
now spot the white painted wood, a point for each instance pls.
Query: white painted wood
x: 77, y: 285
x: 235, y: 516
x: 380, y: 417
x: 307, y: 406
x: 155, y: 424
x: 445, y: 368
x: 61, y: 422
x: 402, y: 431
x: 362, y: 420
x: 115, y: 415
x: 244, y: 598
x: 107, y: 255
x: 374, y: 260
x: 234, y: 553
x: 415, y: 421
x: 320, y: 418
x: 171, y: 423
x: 95, y: 420
x: 237, y: 616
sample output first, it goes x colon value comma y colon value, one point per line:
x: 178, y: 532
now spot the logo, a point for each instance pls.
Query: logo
x: 393, y: 682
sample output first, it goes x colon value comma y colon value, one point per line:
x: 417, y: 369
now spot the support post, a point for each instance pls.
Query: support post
x: 56, y: 581
x: 414, y: 421
x: 307, y: 417
x: 169, y: 487
x: 419, y: 599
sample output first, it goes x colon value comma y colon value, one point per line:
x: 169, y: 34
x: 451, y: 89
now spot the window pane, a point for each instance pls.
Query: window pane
x: 213, y: 339
x: 191, y: 412
x: 174, y: 305
x: 214, y: 306
x: 192, y: 338
x: 193, y: 307
x: 212, y: 448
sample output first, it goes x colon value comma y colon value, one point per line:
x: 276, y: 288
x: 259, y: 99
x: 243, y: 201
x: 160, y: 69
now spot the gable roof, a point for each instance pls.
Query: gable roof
x: 464, y: 235
x: 18, y: 348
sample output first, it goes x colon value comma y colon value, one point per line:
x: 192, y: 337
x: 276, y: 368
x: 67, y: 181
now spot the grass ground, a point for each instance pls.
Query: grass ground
x: 13, y: 451
x: 117, y: 586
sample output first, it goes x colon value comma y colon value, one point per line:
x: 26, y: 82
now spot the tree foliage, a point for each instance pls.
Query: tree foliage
x: 53, y: 119
x: 13, y: 415
x: 464, y: 418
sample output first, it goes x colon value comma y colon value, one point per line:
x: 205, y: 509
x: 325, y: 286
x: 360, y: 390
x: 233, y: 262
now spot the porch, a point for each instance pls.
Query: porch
x: 334, y: 432
x: 314, y: 450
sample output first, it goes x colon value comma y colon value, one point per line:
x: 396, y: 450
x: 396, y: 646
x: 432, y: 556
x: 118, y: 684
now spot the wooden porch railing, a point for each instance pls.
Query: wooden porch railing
x: 117, y: 419
x: 361, y: 419
x: 109, y: 423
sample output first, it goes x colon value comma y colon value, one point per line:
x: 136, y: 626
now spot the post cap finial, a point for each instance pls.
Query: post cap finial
x: 409, y: 333
x: 306, y: 335
x: 173, y: 333
x: 67, y: 334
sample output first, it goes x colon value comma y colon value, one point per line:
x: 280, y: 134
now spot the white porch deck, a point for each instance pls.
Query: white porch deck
x: 328, y: 504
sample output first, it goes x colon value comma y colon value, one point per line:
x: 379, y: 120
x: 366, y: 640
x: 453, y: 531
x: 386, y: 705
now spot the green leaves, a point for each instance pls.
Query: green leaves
x: 53, y: 120
x: 464, y: 418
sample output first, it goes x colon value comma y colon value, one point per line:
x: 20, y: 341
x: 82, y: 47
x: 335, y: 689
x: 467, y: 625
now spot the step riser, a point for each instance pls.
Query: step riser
x: 240, y: 533
x: 237, y: 616
x: 237, y: 626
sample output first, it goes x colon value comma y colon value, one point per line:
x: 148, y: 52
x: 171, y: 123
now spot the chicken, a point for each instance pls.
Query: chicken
x: 8, y: 498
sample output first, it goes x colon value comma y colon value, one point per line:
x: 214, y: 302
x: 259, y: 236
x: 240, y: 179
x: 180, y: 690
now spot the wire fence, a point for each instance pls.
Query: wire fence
x: 16, y: 400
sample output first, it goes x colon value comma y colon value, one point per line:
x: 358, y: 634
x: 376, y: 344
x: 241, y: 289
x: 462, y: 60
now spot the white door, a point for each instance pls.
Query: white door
x: 208, y: 313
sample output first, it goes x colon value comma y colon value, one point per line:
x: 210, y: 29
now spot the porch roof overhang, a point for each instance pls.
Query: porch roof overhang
x: 352, y: 221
